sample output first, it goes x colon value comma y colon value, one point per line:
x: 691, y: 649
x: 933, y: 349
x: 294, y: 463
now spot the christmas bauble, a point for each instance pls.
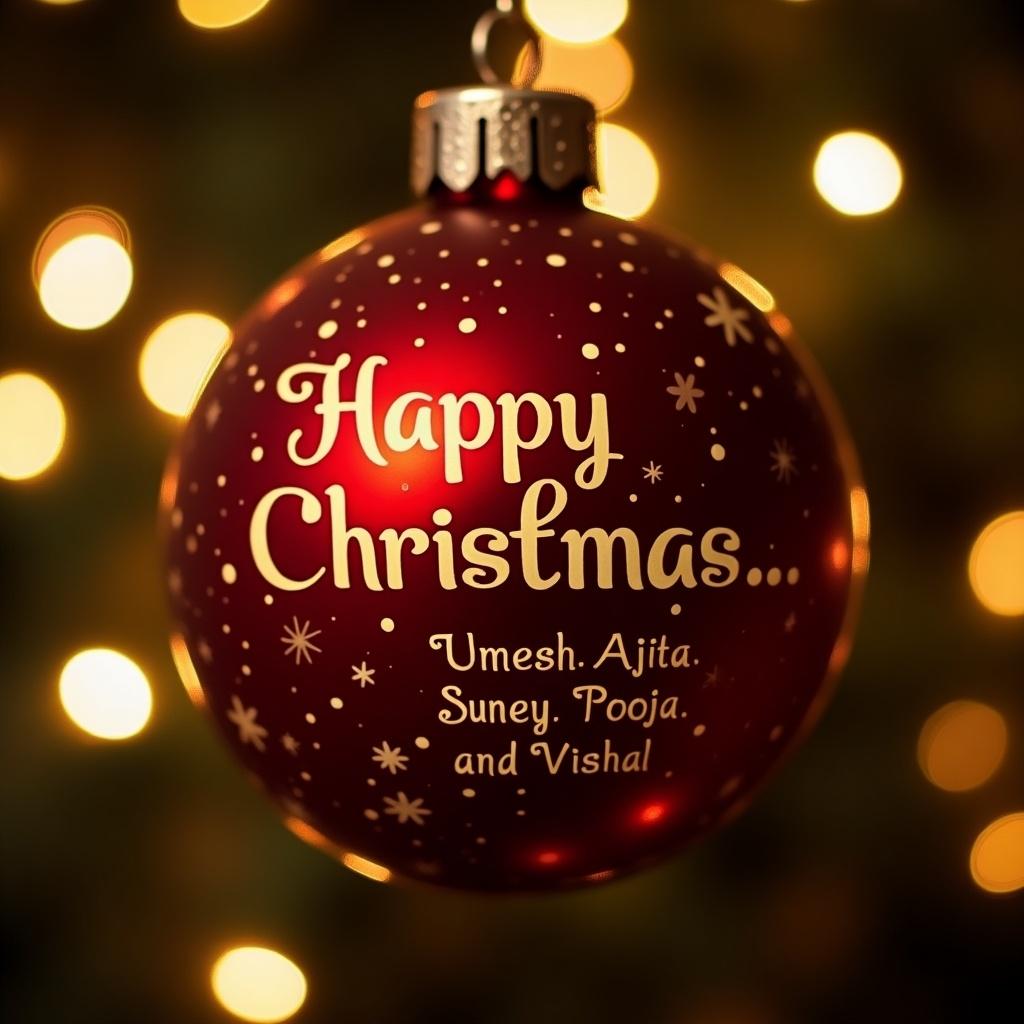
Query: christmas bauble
x: 512, y: 545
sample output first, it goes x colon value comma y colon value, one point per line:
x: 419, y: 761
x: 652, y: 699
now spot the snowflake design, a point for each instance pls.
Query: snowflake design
x: 783, y: 461
x: 390, y: 758
x: 298, y: 641
x: 686, y: 392
x: 249, y: 730
x: 405, y: 809
x: 732, y: 321
x: 362, y: 675
x: 652, y: 472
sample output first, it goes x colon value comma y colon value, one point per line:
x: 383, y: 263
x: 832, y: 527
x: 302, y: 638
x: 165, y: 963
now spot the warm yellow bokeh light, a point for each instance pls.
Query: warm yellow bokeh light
x: 628, y: 174
x: 105, y: 694
x: 32, y: 426
x: 997, y: 858
x: 577, y: 21
x: 258, y: 984
x: 857, y: 174
x: 219, y: 13
x: 84, y: 284
x: 602, y: 72
x: 177, y: 358
x: 962, y: 745
x: 996, y: 565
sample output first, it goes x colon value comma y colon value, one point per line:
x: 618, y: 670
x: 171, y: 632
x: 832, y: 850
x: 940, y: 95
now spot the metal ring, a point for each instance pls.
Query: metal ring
x: 505, y: 12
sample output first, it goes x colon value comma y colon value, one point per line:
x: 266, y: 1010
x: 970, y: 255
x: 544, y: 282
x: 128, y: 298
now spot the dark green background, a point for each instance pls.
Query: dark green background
x: 844, y: 894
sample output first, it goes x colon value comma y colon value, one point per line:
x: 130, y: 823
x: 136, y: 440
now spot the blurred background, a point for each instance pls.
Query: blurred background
x: 165, y: 158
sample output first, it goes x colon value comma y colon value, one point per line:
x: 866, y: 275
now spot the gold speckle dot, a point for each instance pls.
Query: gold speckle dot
x: 595, y: 307
x: 385, y: 261
x: 328, y: 329
x: 387, y: 624
x: 754, y: 577
x: 422, y: 742
x: 337, y: 703
x: 483, y: 261
x: 699, y: 730
x: 256, y: 454
x: 268, y: 599
x: 590, y: 350
x: 221, y: 480
x: 775, y: 734
x: 628, y: 239
x: 773, y: 577
x: 311, y: 718
x: 717, y: 452
x: 469, y: 793
x: 626, y: 266
x: 467, y: 325
x: 370, y: 814
x: 228, y: 573
x: 394, y: 278
x: 619, y: 347
x: 793, y: 575
x: 419, y: 342
x: 676, y: 609
x: 556, y: 259
x: 430, y: 228
x: 699, y: 361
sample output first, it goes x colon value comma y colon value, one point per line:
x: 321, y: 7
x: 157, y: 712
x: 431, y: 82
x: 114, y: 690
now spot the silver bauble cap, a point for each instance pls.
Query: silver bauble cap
x: 462, y: 134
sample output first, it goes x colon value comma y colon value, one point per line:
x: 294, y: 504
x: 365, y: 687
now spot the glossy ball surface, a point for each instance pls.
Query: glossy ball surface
x: 511, y: 546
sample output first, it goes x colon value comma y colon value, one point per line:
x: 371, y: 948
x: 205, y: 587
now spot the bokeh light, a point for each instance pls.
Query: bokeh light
x: 577, y: 21
x: 962, y: 745
x: 258, y: 984
x: 997, y: 857
x: 82, y: 268
x: 857, y: 174
x: 602, y: 72
x: 996, y: 565
x: 32, y: 426
x: 219, y: 13
x: 105, y: 694
x: 178, y: 356
x: 628, y: 174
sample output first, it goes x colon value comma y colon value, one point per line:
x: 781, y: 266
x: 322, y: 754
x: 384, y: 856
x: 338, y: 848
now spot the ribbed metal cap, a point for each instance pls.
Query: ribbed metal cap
x: 459, y: 135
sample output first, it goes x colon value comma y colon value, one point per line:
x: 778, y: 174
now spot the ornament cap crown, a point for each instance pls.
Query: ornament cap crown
x: 465, y: 134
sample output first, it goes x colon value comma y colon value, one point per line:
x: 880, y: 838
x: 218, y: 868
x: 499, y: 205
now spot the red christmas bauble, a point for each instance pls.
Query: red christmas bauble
x: 511, y: 545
